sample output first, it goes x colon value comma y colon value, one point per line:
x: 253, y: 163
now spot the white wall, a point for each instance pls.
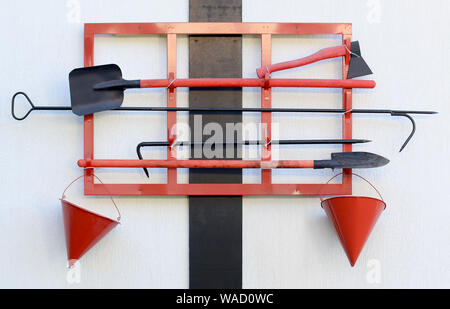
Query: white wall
x: 288, y: 242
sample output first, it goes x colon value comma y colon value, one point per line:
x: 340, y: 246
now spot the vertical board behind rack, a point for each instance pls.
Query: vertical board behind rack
x: 215, y: 222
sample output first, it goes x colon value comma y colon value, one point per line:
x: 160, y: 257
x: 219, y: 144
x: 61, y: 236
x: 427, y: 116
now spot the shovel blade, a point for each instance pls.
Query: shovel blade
x: 84, y: 99
x: 358, y: 66
x: 358, y: 160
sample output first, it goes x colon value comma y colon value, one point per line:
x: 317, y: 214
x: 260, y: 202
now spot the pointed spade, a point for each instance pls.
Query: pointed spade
x: 352, y: 160
x: 83, y: 229
x: 358, y: 66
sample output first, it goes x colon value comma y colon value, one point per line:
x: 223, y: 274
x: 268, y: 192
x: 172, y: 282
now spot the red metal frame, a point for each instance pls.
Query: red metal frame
x: 171, y: 30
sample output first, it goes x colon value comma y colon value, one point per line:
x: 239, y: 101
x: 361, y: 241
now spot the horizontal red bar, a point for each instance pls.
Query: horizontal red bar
x: 195, y: 164
x: 255, y: 82
x: 218, y: 28
x: 217, y: 189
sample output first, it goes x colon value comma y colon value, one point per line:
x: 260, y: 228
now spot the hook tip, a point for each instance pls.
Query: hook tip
x: 146, y: 173
x: 403, y: 147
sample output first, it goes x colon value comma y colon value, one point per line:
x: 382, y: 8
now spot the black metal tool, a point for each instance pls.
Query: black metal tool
x: 33, y: 107
x: 395, y: 113
x: 358, y: 66
x: 352, y: 160
x: 86, y: 100
x: 281, y: 142
x: 241, y: 143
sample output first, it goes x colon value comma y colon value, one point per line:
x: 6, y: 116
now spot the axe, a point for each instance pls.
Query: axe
x: 358, y: 66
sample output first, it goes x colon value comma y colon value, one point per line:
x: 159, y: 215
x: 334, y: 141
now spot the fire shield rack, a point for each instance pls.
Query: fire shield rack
x: 265, y: 31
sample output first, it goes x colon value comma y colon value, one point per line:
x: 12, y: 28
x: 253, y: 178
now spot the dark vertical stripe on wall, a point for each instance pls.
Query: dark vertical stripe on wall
x: 215, y: 222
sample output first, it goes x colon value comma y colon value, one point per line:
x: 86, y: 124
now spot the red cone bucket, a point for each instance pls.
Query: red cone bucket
x: 353, y: 219
x: 83, y: 228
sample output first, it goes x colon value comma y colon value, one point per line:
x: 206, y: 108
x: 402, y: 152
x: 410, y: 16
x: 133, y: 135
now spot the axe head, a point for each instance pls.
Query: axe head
x: 358, y: 66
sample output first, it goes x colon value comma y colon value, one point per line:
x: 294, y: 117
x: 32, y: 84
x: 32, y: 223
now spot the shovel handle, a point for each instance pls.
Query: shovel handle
x: 195, y: 164
x: 326, y: 53
x: 256, y: 82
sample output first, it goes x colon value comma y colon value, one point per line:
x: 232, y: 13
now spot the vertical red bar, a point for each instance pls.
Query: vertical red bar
x: 266, y: 102
x: 171, y: 102
x: 347, y: 127
x: 88, y: 119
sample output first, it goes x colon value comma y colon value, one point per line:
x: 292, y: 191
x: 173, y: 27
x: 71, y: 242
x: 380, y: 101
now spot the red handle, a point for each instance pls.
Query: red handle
x: 195, y: 164
x: 255, y: 82
x: 326, y: 53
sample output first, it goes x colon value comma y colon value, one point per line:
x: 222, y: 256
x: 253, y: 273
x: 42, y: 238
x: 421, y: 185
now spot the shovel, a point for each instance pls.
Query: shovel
x: 100, y: 88
x: 241, y: 143
x: 338, y: 160
x: 358, y: 67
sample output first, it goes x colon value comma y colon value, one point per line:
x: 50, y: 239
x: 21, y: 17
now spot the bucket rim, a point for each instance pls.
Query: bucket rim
x: 89, y: 211
x: 353, y: 196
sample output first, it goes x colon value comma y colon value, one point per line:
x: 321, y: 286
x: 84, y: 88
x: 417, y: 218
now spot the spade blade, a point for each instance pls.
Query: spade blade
x: 358, y: 66
x: 84, y: 99
x: 358, y: 160
x: 352, y: 160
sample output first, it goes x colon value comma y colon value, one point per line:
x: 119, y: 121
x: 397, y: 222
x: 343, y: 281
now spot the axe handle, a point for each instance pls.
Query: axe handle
x: 326, y: 53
